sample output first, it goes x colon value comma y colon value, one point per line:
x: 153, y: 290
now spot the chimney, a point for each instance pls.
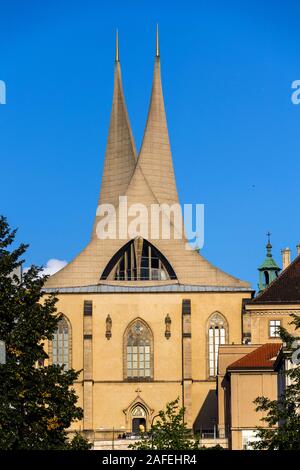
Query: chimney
x: 286, y: 257
x: 298, y: 249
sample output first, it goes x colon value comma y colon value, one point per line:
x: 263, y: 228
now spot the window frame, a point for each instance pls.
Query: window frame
x: 140, y: 252
x: 213, y: 323
x: 53, y: 358
x: 274, y: 327
x: 135, y: 357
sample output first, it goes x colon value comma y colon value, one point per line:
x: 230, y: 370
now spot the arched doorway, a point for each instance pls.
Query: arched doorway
x: 138, y: 419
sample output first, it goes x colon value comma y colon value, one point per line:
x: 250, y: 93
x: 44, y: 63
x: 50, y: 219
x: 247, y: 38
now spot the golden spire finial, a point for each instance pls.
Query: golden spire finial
x: 157, y: 41
x: 117, y: 46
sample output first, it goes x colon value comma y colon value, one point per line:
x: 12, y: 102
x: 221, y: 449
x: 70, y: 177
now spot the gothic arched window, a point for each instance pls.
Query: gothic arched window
x: 138, y: 352
x: 60, y: 346
x: 138, y: 260
x: 217, y: 334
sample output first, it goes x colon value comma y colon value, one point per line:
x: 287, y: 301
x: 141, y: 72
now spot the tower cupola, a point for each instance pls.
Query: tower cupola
x: 268, y: 270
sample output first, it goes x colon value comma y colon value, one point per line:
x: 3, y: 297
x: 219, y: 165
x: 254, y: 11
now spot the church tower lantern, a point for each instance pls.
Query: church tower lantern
x: 268, y: 270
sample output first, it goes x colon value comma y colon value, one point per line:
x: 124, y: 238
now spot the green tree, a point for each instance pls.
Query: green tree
x: 169, y: 431
x: 37, y: 402
x: 282, y: 416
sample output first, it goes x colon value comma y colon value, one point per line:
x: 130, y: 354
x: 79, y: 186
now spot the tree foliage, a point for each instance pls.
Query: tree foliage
x: 282, y: 416
x: 168, y: 432
x: 37, y: 402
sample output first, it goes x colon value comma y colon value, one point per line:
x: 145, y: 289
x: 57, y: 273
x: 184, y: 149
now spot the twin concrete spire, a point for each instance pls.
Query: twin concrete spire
x: 145, y: 179
x: 155, y: 159
x: 155, y: 156
x: 120, y: 156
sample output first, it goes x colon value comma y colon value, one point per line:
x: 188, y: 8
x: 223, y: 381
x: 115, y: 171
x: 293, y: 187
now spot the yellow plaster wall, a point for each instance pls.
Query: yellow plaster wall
x: 111, y: 395
x: 258, y: 320
x: 245, y: 388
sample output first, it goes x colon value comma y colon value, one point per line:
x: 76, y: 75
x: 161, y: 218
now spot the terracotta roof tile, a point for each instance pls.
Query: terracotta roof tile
x: 260, y: 358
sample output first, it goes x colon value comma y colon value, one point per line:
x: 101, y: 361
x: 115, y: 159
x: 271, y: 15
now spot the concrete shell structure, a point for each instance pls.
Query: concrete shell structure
x: 175, y: 310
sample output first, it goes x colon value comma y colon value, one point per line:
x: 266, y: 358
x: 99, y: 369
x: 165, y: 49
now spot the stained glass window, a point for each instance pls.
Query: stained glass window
x: 138, y: 351
x: 61, y: 345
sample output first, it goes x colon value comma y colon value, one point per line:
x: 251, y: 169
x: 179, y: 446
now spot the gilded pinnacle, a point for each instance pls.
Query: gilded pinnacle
x: 157, y: 42
x: 117, y: 46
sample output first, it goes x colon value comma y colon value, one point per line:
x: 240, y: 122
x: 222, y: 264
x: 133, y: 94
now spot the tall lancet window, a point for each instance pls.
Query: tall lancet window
x: 60, y: 346
x: 138, y: 260
x: 217, y: 334
x: 138, y: 352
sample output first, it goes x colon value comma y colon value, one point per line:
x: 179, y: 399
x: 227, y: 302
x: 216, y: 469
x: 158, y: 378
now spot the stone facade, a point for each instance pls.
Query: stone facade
x: 100, y: 311
x: 180, y: 363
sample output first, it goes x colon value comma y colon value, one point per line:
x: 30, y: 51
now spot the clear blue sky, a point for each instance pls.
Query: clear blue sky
x: 227, y: 74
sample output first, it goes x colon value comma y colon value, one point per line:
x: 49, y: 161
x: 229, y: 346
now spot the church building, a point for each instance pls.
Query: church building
x: 143, y: 316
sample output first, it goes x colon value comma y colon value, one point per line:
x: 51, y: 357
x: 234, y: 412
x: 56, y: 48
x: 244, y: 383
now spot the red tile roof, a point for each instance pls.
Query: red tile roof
x: 261, y: 358
x: 284, y: 289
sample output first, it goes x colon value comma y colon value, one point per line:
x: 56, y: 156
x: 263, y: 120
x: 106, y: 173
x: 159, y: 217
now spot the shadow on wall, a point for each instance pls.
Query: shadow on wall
x: 206, y: 419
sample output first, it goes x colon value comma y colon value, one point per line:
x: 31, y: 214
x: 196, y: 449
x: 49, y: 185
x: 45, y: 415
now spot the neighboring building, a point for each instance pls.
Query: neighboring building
x: 144, y: 316
x: 250, y: 375
x: 257, y: 367
x: 272, y: 307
